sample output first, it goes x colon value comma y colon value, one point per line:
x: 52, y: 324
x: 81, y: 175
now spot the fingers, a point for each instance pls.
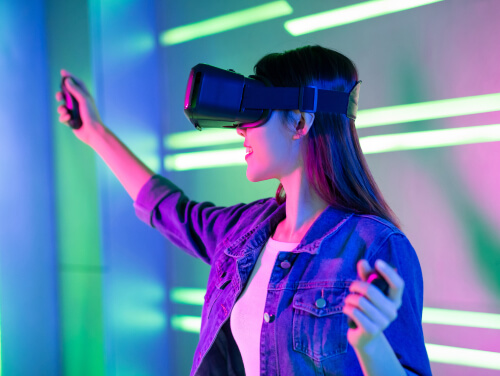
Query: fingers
x: 75, y: 86
x: 376, y: 298
x: 364, y: 269
x: 64, y: 118
x: 371, y: 319
x: 360, y: 319
x: 62, y: 110
x: 396, y: 283
x: 65, y: 73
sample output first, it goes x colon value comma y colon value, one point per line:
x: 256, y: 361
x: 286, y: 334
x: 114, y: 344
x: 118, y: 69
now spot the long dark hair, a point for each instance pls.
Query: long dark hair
x: 334, y: 163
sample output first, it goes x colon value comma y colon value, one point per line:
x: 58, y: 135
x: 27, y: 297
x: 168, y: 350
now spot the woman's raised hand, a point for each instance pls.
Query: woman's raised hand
x: 91, y: 121
x: 370, y: 309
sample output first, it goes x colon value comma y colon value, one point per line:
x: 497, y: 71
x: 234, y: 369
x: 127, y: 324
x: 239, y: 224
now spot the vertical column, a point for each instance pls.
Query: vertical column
x: 128, y: 75
x: 28, y: 258
x: 77, y: 202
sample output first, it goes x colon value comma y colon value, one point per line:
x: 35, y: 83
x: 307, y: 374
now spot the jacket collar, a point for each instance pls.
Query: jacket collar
x: 328, y: 222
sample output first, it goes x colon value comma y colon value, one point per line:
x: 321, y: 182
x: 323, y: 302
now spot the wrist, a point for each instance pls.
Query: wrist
x: 371, y: 347
x: 98, y: 136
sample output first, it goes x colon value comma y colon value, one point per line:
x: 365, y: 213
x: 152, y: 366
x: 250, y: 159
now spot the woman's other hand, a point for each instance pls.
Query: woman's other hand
x: 370, y: 309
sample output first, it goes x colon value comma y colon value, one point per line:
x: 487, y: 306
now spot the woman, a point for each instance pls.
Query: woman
x: 287, y: 272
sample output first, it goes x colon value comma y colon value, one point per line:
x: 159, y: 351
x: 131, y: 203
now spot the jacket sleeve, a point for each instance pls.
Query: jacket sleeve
x: 195, y: 227
x: 405, y: 333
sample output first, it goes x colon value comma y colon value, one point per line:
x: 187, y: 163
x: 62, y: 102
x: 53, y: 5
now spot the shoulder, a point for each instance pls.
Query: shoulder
x: 376, y: 223
x: 382, y: 238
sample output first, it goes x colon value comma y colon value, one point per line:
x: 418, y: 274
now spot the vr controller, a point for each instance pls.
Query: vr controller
x: 218, y: 98
x: 71, y: 104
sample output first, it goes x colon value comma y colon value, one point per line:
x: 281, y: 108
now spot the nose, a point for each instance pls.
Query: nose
x: 241, y: 131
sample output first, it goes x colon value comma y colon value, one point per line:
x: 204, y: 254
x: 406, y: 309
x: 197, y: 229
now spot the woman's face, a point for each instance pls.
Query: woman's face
x: 275, y: 153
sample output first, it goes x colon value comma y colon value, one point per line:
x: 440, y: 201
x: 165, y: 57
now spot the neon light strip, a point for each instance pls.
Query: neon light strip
x: 225, y: 22
x: 437, y: 353
x: 186, y: 295
x: 205, y: 159
x: 430, y: 139
x: 197, y: 139
x: 460, y: 318
x: 440, y: 316
x: 350, y: 14
x: 370, y: 145
x: 428, y: 110
x: 191, y: 324
x: 463, y: 357
x: 366, y: 118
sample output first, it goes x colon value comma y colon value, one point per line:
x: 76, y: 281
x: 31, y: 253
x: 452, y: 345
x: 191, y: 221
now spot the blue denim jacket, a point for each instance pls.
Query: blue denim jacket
x: 299, y: 338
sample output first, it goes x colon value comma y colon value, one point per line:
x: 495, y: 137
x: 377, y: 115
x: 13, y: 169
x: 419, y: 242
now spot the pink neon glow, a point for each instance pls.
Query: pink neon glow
x: 189, y: 89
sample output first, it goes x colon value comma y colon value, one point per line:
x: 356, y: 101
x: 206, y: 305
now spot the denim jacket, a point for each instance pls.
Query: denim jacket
x: 298, y: 335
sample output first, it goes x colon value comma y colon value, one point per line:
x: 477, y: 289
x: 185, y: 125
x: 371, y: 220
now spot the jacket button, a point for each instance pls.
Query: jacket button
x: 285, y: 264
x: 321, y: 303
x: 268, y: 317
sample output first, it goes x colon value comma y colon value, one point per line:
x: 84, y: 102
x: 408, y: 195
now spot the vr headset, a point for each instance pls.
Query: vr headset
x: 218, y: 98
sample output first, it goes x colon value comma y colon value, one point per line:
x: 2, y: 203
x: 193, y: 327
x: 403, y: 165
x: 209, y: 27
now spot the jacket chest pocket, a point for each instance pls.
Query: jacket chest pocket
x: 319, y: 325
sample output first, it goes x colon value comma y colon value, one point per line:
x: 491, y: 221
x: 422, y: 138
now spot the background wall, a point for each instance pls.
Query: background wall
x: 87, y: 289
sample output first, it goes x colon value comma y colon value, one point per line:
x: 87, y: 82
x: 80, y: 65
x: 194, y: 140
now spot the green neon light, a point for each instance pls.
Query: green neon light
x: 461, y: 318
x: 428, y: 110
x: 366, y: 118
x: 197, y: 139
x: 226, y: 22
x: 194, y: 296
x: 184, y: 295
x: 205, y: 159
x: 430, y: 139
x: 350, y: 14
x: 370, y: 145
x: 183, y: 323
x: 463, y: 357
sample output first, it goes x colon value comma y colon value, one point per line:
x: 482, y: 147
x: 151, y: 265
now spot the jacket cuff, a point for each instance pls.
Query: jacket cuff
x: 150, y: 196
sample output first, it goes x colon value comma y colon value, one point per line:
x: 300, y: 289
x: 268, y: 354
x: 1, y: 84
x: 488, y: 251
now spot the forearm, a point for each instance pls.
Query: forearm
x: 129, y: 169
x: 378, y: 358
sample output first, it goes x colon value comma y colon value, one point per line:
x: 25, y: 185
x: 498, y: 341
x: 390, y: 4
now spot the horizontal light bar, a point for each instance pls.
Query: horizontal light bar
x: 440, y: 316
x: 437, y: 353
x: 350, y: 14
x: 461, y: 318
x: 197, y: 139
x: 366, y: 118
x: 186, y: 295
x: 205, y: 159
x: 183, y: 323
x: 369, y: 145
x: 428, y: 110
x: 430, y: 139
x: 463, y: 357
x: 226, y: 22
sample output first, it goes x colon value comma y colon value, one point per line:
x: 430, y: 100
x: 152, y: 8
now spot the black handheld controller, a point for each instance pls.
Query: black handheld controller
x: 71, y: 104
x: 378, y: 281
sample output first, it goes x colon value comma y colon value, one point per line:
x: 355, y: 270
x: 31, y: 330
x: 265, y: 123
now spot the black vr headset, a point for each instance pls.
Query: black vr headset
x: 218, y: 98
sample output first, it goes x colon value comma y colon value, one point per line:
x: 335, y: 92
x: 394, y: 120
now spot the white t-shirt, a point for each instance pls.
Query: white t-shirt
x: 248, y: 312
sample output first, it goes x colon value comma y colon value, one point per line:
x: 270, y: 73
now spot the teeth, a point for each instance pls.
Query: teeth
x: 249, y: 150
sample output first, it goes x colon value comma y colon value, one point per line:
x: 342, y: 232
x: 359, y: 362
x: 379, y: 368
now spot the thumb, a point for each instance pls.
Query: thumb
x: 364, y: 269
x: 73, y: 88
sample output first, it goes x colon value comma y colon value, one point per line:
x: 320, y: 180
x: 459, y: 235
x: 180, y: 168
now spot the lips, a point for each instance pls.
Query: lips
x: 249, y: 150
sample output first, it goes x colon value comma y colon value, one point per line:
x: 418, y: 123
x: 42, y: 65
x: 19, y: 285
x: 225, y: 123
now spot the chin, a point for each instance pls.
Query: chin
x: 255, y: 178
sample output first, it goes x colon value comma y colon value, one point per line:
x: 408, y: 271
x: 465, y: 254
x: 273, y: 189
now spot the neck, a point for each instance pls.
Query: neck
x: 303, y: 207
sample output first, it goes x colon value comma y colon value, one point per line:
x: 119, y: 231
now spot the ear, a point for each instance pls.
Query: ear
x: 304, y: 124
